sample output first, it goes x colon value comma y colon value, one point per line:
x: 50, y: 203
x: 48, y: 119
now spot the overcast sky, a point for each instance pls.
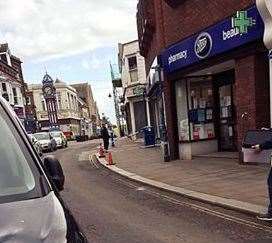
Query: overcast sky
x: 73, y: 39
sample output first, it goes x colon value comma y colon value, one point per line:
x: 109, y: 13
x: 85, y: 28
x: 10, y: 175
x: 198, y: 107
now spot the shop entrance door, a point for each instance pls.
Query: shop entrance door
x: 225, y: 118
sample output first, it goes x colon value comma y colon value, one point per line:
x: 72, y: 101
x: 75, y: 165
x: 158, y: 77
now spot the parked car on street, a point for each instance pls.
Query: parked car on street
x: 31, y: 207
x: 47, y: 141
x: 60, y: 139
x: 36, y: 144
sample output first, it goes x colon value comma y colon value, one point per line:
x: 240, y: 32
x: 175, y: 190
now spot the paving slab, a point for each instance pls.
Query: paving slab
x: 221, y: 181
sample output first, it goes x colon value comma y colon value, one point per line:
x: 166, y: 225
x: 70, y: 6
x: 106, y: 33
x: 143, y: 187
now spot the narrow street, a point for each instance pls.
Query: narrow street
x: 112, y: 209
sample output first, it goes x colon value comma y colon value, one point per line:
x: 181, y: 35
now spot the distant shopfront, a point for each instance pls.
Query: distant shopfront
x: 135, y: 104
x: 220, y: 76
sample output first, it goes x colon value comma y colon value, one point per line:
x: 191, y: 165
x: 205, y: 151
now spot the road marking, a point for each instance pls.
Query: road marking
x: 202, y: 209
x: 92, y: 161
x: 140, y: 188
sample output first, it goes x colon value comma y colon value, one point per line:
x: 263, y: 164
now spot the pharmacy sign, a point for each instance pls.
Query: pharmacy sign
x: 242, y: 22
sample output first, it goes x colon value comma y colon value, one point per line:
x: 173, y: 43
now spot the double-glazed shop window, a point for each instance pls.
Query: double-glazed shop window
x: 195, y: 108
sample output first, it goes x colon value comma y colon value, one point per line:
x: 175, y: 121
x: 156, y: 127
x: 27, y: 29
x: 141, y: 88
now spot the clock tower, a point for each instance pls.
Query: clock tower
x: 49, y: 93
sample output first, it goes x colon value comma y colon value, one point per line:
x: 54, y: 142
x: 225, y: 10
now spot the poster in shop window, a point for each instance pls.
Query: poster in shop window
x: 184, y: 130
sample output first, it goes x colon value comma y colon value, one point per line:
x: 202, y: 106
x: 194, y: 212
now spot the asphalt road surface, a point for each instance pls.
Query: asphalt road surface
x: 112, y: 209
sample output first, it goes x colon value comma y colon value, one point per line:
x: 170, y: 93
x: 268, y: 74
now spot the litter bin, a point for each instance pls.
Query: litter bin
x: 253, y: 137
x: 149, y: 136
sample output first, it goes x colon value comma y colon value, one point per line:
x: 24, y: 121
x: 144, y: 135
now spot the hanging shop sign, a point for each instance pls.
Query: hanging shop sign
x: 245, y: 27
x: 135, y: 91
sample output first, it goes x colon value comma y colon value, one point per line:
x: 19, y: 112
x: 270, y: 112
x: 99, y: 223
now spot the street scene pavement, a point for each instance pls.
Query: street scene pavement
x: 110, y: 208
x: 222, y: 177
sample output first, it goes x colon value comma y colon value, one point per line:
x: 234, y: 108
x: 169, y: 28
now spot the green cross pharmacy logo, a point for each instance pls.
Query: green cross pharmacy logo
x: 242, y: 22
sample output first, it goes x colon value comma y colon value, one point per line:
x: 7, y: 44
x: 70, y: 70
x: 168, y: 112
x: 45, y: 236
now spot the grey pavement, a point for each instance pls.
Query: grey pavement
x: 221, y: 178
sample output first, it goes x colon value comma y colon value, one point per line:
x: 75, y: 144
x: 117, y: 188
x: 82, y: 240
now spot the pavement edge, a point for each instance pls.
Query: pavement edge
x: 227, y: 203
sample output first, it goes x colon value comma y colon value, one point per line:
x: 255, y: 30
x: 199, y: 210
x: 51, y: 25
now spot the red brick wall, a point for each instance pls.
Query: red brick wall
x: 251, y: 93
x: 195, y: 15
x: 191, y: 16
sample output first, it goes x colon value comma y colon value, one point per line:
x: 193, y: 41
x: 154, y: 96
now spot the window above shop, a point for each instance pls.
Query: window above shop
x: 28, y: 100
x: 15, y: 96
x: 132, y: 63
x: 5, y: 94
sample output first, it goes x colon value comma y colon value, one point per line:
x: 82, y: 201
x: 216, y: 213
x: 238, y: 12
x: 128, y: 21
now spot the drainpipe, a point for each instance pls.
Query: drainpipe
x: 148, y: 112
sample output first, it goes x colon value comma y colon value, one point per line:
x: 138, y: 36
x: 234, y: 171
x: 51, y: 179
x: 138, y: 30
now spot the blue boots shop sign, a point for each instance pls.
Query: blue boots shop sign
x: 242, y: 28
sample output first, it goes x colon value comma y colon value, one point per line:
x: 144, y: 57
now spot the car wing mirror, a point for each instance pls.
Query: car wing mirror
x: 54, y: 170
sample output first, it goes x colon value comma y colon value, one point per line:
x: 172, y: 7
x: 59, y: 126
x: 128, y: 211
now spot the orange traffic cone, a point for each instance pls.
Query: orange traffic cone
x: 110, y: 160
x: 101, y: 152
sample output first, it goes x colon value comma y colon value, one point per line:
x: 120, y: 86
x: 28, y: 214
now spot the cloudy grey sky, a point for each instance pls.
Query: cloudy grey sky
x: 74, y: 39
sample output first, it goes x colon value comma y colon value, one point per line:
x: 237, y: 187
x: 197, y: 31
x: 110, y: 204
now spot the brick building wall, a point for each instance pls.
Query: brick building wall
x: 251, y: 94
x: 173, y: 24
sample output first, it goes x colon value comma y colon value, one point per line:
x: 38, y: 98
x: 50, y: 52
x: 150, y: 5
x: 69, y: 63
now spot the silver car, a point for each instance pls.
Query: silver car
x: 47, y: 142
x: 36, y: 144
x: 60, y: 139
x: 31, y: 206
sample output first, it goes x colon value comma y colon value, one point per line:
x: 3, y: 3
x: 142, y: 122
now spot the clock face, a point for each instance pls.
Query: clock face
x: 48, y: 91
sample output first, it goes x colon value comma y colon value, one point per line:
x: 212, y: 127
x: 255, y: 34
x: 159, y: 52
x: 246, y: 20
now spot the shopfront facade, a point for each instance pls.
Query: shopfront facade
x: 136, y: 114
x: 220, y: 82
x: 155, y: 101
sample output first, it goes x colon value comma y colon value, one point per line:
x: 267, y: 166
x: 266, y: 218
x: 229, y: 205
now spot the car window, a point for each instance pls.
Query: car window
x: 15, y: 174
x: 55, y: 134
x: 42, y: 136
x: 19, y: 176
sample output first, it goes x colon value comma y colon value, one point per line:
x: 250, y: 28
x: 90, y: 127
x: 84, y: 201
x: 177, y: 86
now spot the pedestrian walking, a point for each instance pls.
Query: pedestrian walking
x: 105, y: 136
x: 111, y: 133
x: 258, y: 148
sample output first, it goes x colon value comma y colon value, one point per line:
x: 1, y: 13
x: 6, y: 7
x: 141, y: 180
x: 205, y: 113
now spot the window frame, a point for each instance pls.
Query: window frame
x: 136, y: 62
x: 189, y: 108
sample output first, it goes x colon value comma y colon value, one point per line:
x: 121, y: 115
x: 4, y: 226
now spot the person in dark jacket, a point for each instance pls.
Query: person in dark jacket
x: 258, y: 148
x: 105, y: 136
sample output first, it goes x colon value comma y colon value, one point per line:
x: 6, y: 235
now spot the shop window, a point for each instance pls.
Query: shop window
x: 201, y: 109
x: 182, y: 111
x: 195, y: 109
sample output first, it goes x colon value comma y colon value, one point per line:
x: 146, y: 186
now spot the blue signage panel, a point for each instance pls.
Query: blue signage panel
x: 244, y: 27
